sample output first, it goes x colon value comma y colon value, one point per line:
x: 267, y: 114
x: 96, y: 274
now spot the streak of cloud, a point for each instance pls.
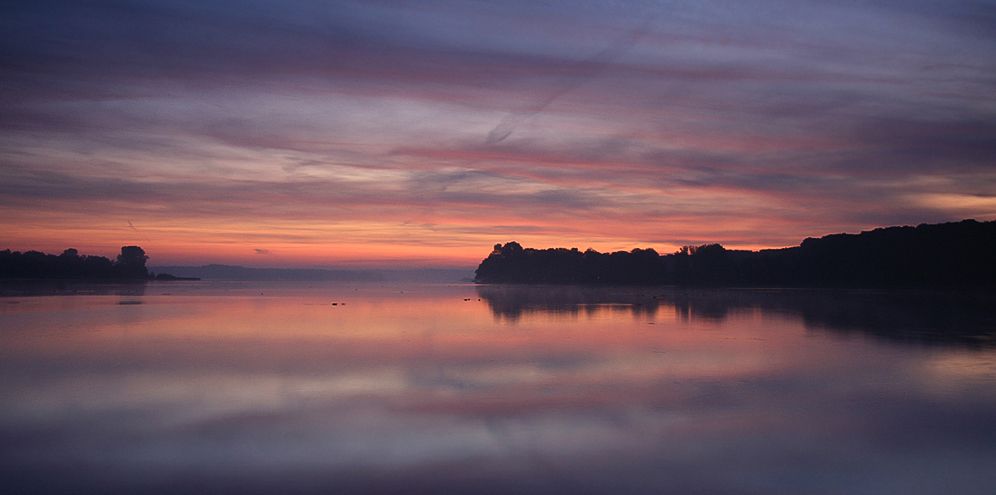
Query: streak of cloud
x: 132, y: 227
x: 575, y: 76
x: 373, y: 124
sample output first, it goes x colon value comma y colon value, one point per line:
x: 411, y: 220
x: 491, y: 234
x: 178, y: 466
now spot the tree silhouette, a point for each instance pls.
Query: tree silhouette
x: 956, y: 254
x: 131, y: 262
x: 70, y: 265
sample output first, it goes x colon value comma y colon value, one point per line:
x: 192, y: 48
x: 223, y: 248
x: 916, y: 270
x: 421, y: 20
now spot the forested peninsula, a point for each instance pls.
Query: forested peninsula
x: 70, y: 265
x: 949, y: 255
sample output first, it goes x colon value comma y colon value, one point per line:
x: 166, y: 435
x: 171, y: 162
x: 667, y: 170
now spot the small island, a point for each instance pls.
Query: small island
x: 70, y: 265
x: 949, y: 255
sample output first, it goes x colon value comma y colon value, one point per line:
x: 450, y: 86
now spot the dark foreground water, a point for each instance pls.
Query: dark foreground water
x: 200, y: 387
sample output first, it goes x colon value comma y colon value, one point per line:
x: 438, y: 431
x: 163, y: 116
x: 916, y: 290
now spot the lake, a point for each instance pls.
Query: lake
x: 226, y: 387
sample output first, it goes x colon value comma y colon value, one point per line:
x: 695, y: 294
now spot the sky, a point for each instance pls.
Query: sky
x: 399, y: 133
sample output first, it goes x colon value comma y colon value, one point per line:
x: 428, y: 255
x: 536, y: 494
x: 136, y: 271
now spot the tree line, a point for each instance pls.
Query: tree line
x: 955, y: 254
x: 70, y: 265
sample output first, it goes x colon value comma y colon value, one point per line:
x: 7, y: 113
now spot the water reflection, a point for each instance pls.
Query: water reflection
x: 931, y: 317
x: 34, y: 288
x: 244, y: 388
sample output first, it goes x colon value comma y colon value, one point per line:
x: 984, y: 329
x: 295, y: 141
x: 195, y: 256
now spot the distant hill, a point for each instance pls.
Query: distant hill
x: 241, y: 273
x: 956, y: 254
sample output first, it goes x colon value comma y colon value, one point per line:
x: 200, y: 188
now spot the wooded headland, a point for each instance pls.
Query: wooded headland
x: 956, y: 254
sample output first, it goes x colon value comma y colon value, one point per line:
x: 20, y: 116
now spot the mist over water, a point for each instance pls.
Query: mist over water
x: 252, y: 387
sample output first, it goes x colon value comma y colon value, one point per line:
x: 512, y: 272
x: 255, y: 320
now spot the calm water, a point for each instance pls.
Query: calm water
x: 201, y: 387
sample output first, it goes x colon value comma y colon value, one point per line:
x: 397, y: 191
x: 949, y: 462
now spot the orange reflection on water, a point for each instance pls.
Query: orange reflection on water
x: 429, y: 349
x: 392, y: 386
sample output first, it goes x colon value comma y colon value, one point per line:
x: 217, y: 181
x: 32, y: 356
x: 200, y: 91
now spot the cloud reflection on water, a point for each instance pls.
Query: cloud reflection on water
x: 930, y: 317
x: 422, y: 390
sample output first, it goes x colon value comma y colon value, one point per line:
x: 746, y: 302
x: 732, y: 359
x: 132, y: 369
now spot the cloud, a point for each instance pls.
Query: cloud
x: 706, y: 121
x: 582, y: 72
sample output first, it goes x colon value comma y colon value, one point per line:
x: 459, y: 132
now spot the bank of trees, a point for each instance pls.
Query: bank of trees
x: 70, y: 265
x: 957, y: 254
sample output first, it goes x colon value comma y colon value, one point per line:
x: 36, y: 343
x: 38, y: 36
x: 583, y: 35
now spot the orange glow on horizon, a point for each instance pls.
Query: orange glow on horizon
x: 446, y: 239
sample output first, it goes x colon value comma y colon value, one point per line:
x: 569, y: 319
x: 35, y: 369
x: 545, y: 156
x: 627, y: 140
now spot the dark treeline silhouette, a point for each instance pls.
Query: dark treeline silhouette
x: 70, y: 265
x: 957, y: 254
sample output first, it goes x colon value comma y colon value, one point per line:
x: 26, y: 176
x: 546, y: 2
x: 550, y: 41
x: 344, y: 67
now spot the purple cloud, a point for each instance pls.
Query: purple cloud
x: 791, y: 119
